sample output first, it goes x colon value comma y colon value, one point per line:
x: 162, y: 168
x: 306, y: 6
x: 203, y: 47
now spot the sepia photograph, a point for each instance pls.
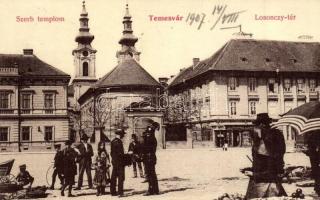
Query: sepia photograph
x: 166, y: 99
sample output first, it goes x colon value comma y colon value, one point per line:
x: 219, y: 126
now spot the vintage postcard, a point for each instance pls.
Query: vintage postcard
x: 167, y: 99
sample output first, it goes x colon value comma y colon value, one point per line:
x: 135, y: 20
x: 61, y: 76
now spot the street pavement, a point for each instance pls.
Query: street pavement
x: 183, y: 174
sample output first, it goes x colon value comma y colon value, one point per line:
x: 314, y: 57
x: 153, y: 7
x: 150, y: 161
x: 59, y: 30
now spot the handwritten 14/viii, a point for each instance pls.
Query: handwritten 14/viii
x: 219, y: 12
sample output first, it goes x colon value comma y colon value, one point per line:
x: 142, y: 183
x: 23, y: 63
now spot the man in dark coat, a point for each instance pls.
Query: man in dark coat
x: 267, y: 168
x: 118, y: 166
x: 58, y: 166
x: 85, y: 161
x: 69, y: 168
x: 150, y: 159
x: 135, y: 149
x: 313, y: 151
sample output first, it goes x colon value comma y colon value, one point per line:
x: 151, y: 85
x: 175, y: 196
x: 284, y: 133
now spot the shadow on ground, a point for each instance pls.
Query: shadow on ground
x: 175, y: 178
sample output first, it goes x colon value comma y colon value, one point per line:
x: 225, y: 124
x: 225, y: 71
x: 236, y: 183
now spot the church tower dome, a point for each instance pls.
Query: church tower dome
x: 84, y: 57
x: 128, y: 40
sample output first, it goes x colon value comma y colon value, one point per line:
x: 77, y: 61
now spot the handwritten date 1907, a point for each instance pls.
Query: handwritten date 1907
x: 219, y: 16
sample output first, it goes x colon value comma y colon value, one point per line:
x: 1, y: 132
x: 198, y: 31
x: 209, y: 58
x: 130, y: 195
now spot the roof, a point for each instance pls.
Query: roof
x: 127, y: 73
x: 30, y: 65
x: 257, y: 56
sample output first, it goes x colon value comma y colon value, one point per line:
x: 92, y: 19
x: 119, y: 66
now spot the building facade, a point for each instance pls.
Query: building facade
x: 33, y: 103
x: 219, y: 97
x: 126, y: 97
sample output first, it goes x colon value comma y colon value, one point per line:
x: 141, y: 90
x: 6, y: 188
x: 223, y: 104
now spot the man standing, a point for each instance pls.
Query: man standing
x: 58, y: 166
x: 150, y: 158
x: 117, y: 155
x: 267, y: 167
x: 69, y: 167
x: 85, y: 161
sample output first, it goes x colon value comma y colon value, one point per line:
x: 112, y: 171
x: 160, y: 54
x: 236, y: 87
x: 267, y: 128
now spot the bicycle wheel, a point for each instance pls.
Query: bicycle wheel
x: 49, y: 175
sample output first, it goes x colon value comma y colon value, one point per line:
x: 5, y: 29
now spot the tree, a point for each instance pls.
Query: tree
x: 97, y: 112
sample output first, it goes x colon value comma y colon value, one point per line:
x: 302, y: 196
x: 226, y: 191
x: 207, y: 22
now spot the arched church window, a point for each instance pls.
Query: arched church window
x: 85, y: 69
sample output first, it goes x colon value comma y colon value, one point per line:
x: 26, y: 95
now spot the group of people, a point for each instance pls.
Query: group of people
x: 65, y: 163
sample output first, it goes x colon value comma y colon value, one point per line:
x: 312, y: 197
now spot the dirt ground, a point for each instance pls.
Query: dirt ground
x: 183, y: 174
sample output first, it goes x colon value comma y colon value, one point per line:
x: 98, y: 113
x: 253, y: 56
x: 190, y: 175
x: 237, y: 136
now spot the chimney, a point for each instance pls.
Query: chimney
x: 195, y: 62
x: 28, y: 52
x: 242, y: 35
x: 163, y: 80
x: 305, y: 38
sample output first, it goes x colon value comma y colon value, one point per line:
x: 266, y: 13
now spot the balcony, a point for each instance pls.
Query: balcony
x: 288, y: 97
x: 25, y: 111
x: 313, y: 96
x: 48, y: 111
x: 301, y: 96
x: 253, y: 97
x: 6, y: 111
x: 273, y: 96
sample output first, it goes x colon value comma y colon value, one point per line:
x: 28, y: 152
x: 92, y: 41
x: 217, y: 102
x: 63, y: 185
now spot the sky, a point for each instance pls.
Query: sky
x: 166, y: 46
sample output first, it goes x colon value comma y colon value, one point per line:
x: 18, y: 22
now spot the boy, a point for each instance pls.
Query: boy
x: 135, y: 149
x: 24, y: 178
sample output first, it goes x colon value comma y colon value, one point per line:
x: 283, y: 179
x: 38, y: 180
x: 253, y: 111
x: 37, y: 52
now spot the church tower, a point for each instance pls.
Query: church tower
x: 84, y: 57
x: 127, y: 40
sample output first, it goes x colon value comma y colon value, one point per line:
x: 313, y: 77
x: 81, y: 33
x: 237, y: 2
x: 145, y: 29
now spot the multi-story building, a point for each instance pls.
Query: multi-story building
x: 33, y: 103
x: 222, y: 94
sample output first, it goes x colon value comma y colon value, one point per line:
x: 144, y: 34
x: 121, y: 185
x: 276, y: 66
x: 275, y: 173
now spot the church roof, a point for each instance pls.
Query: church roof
x: 257, y: 56
x: 29, y: 65
x: 127, y: 73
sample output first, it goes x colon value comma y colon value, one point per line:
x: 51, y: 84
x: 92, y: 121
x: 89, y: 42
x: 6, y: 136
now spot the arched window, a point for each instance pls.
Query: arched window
x: 85, y: 69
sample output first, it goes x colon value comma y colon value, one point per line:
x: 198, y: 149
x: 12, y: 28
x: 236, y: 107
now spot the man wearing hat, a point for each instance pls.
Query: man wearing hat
x: 267, y: 167
x: 69, y: 167
x: 58, y: 166
x: 85, y: 161
x: 150, y: 158
x: 117, y: 155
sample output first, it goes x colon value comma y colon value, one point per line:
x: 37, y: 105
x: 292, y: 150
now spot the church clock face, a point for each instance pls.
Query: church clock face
x: 85, y: 53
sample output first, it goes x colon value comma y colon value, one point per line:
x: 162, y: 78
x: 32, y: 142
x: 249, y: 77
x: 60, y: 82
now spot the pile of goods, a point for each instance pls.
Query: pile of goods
x: 226, y: 196
x: 33, y: 193
x: 298, y: 194
x: 297, y: 173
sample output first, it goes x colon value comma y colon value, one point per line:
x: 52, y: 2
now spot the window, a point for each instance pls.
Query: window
x: 48, y: 133
x: 48, y: 101
x: 252, y: 107
x: 25, y: 133
x: 313, y: 85
x: 300, y: 85
x: 233, y: 107
x: 4, y: 134
x: 272, y: 86
x: 252, y: 84
x: 85, y: 69
x: 287, y: 85
x: 4, y: 100
x: 26, y: 103
x: 232, y: 83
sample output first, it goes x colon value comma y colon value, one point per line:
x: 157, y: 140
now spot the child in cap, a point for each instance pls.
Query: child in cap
x: 24, y: 178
